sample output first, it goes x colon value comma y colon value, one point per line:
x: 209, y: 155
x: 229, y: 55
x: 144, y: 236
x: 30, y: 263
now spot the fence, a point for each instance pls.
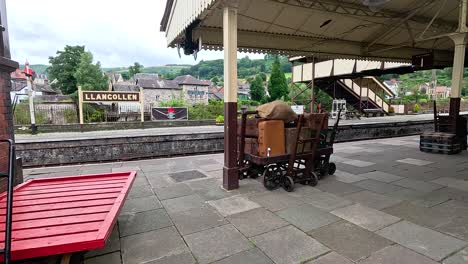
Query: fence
x: 57, y: 114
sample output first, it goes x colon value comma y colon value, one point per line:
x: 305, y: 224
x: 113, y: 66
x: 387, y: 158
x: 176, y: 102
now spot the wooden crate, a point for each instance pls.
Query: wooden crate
x: 440, y: 142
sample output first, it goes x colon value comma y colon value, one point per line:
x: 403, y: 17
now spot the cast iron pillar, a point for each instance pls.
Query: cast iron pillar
x: 230, y: 170
x: 457, y: 78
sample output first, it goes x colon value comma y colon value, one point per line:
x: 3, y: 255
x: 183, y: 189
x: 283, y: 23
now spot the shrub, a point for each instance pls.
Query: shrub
x: 423, y: 101
x: 416, y: 108
x: 173, y: 103
x: 220, y: 119
x: 70, y: 116
x: 391, y: 110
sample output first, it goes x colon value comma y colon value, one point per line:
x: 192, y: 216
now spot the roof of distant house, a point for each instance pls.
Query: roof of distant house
x: 18, y: 85
x: 189, y: 80
x: 158, y: 84
x: 45, y: 88
x: 152, y: 76
x: 216, y: 96
x: 441, y: 89
x: 125, y: 87
x: 208, y: 82
x: 18, y: 74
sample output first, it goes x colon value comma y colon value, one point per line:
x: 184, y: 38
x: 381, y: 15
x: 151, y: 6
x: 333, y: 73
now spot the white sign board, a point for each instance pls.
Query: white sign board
x: 298, y: 109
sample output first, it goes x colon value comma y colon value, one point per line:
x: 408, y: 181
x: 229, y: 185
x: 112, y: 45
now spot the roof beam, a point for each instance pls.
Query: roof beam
x: 295, y: 45
x: 358, y: 10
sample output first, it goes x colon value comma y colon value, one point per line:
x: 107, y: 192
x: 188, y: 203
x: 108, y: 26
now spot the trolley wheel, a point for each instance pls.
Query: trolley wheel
x: 271, y: 177
x: 313, y: 179
x: 288, y: 183
x: 331, y: 168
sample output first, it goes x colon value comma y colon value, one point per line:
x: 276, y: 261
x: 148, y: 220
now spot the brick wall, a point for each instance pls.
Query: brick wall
x: 6, y: 117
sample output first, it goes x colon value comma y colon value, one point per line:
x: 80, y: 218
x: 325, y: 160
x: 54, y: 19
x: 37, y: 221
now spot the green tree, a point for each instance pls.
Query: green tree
x: 257, y: 89
x: 136, y: 68
x: 90, y: 76
x: 277, y: 86
x: 63, y: 68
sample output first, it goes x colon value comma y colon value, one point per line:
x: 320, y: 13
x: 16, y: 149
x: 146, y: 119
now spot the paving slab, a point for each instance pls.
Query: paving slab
x: 377, y: 186
x: 252, y: 256
x: 452, y: 183
x: 183, y: 258
x: 140, y: 191
x: 406, y: 194
x: 326, y: 201
x: 359, y: 163
x: 365, y: 217
x: 186, y: 175
x: 130, y: 224
x: 173, y: 191
x: 397, y: 254
x: 457, y: 227
x: 152, y: 245
x: 210, y: 189
x: 337, y: 187
x: 142, y: 204
x: 307, y: 217
x: 217, y: 243
x: 183, y: 203
x: 197, y: 219
x: 418, y: 185
x: 112, y: 258
x: 423, y: 240
x: 331, y: 258
x: 289, y: 245
x: 275, y: 201
x: 233, y: 205
x: 416, y: 162
x: 372, y: 200
x: 460, y: 257
x: 429, y: 217
x: 350, y: 240
x: 112, y: 244
x: 347, y: 177
x: 256, y: 221
x: 158, y: 180
x: 381, y: 176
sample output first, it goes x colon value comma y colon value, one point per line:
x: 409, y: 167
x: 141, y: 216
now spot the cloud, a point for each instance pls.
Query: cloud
x: 117, y: 32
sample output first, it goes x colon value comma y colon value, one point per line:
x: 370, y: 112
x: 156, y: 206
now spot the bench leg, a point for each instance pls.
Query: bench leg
x: 65, y: 259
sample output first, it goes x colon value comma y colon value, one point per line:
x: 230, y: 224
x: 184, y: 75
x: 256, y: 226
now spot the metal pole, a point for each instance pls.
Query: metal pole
x: 230, y: 169
x: 31, y: 106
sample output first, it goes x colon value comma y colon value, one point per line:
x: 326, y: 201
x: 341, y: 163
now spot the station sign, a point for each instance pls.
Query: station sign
x: 107, y: 96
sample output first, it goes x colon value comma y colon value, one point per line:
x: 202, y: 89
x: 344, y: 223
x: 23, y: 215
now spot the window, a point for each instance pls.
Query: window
x: 157, y: 97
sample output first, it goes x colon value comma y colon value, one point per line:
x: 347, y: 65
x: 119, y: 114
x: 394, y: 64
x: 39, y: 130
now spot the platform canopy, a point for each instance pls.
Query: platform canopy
x: 390, y: 30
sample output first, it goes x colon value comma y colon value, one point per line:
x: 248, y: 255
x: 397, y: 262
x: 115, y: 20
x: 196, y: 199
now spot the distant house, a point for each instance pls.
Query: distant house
x: 393, y: 84
x: 156, y: 91
x: 194, y: 90
x: 243, y: 92
x: 439, y: 92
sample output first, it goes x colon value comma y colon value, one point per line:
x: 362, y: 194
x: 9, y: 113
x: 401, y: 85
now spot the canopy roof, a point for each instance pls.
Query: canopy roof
x: 391, y: 30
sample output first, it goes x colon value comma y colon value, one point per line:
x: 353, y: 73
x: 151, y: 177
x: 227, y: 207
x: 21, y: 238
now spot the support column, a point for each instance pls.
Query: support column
x: 230, y: 170
x: 460, y: 41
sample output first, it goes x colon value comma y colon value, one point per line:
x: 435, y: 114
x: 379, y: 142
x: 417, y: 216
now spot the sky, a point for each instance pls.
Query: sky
x: 117, y: 32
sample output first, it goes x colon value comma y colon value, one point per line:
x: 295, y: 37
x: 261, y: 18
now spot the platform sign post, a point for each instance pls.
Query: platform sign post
x: 142, y: 105
x: 80, y: 104
x: 110, y: 97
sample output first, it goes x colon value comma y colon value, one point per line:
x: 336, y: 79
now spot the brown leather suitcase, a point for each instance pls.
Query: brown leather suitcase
x: 271, y: 138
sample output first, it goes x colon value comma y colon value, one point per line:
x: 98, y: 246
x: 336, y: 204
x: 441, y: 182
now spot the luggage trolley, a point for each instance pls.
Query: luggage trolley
x: 286, y: 169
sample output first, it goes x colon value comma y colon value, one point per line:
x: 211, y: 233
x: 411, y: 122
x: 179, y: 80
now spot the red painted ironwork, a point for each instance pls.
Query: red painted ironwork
x: 54, y: 216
